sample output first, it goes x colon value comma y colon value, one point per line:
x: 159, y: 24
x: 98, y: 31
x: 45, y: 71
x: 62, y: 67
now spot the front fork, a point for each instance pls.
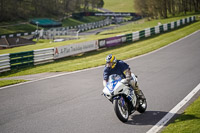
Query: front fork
x: 125, y: 103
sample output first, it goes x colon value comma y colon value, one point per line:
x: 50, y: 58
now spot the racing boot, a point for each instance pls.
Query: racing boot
x: 139, y: 93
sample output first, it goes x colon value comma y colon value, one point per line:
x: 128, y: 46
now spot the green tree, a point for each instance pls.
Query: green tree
x: 162, y: 8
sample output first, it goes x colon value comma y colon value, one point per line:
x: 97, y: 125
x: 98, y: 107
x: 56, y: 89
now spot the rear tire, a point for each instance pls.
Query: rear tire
x: 121, y: 109
x: 142, y: 106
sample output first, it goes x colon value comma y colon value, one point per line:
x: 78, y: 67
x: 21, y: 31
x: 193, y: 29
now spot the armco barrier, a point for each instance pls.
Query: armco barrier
x: 152, y: 30
x: 35, y: 57
x: 147, y: 32
x: 129, y: 37
x: 22, y: 59
x: 136, y: 36
x: 42, y: 56
x: 4, y: 63
x: 141, y: 34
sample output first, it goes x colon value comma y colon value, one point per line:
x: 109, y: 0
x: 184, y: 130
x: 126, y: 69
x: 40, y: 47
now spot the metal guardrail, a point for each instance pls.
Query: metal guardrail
x: 21, y: 59
x: 4, y: 62
x: 42, y: 56
x: 24, y: 59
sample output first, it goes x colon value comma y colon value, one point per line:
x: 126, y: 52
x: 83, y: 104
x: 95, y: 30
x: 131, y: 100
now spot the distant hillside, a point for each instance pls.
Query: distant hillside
x: 119, y: 5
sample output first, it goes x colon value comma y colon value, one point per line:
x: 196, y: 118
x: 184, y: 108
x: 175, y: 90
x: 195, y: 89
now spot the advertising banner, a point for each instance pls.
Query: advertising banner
x: 102, y: 43
x: 117, y: 14
x: 73, y: 49
x: 113, y: 41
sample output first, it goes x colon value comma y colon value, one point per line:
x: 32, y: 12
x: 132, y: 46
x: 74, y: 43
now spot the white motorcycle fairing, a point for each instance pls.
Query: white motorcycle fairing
x: 116, y: 87
x: 123, y: 97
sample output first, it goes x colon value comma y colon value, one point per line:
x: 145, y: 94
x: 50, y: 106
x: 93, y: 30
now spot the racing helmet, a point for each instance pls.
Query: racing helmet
x: 111, y: 59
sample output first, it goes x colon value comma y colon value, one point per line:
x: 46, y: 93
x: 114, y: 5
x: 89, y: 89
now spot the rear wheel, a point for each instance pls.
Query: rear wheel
x: 142, y: 106
x: 121, y: 109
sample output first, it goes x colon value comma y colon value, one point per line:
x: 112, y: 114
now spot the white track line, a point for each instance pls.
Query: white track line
x: 54, y: 76
x: 172, y: 112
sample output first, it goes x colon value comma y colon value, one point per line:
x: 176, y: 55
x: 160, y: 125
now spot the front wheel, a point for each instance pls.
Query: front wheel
x: 121, y: 109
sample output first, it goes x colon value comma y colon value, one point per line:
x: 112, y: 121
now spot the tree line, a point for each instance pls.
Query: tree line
x: 24, y: 9
x: 164, y: 8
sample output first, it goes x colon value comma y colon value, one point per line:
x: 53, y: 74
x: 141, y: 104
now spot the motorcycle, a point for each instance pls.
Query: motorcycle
x: 123, y: 97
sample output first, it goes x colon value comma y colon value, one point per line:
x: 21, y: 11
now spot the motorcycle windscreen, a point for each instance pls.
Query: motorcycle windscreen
x: 112, y: 82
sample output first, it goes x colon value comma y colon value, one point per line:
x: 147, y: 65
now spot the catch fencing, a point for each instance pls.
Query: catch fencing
x: 41, y: 56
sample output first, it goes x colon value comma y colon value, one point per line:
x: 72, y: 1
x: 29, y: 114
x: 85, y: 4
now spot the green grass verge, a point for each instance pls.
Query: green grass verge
x: 119, y: 5
x: 10, y: 82
x: 17, y: 29
x: 188, y: 122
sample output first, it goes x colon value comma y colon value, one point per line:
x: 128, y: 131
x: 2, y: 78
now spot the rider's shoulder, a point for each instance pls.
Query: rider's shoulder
x: 106, y: 68
x: 120, y: 62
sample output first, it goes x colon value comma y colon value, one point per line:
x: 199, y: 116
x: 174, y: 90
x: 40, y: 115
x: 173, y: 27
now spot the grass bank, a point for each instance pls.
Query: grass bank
x: 10, y: 82
x: 119, y: 5
x: 16, y: 28
x: 187, y: 122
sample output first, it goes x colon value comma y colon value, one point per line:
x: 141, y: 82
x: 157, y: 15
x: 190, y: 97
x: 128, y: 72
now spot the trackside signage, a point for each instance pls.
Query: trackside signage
x: 113, y: 41
x: 74, y: 49
x: 118, y: 14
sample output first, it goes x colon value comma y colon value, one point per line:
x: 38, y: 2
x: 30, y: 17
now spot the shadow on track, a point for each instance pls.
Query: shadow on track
x: 152, y: 117
x: 148, y: 118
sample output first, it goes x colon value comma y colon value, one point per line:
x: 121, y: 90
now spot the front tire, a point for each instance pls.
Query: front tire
x: 121, y: 109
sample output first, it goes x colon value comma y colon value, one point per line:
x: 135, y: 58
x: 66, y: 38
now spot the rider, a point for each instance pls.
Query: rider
x: 119, y: 67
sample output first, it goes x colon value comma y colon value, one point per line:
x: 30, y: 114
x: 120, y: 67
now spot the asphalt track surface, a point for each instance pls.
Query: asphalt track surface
x: 72, y: 103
